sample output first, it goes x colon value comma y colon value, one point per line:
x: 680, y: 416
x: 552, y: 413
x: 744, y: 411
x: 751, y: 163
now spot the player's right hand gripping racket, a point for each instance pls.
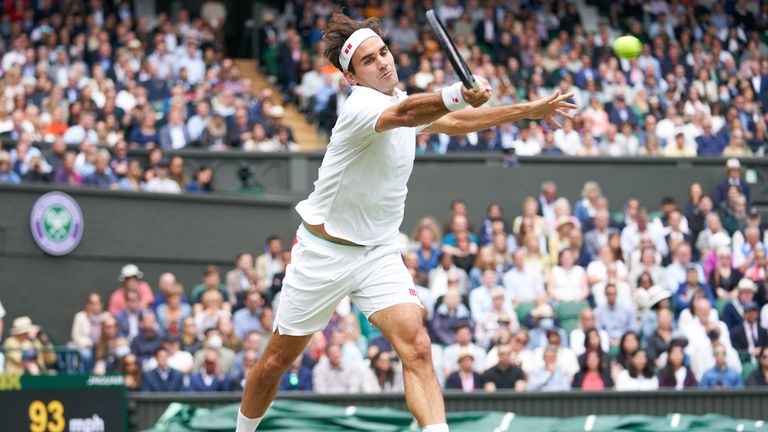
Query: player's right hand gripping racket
x: 449, y: 50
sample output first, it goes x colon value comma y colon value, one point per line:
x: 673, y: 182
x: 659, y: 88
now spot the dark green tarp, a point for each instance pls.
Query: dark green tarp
x: 297, y: 416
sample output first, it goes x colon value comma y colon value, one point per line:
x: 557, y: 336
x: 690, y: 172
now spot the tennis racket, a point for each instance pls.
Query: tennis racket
x: 449, y: 50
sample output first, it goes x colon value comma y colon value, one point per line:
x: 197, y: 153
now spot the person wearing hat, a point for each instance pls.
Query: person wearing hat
x: 130, y: 279
x: 466, y: 378
x: 161, y: 183
x: 7, y: 175
x: 28, y: 349
x: 749, y: 337
x: 733, y: 312
x: 733, y: 178
x: 541, y: 320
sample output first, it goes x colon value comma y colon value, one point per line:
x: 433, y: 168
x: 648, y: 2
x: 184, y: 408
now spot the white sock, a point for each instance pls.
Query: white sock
x: 440, y: 427
x: 244, y: 424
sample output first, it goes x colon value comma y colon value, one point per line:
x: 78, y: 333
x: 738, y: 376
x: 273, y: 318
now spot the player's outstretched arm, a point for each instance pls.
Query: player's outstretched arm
x: 476, y: 119
x: 424, y: 108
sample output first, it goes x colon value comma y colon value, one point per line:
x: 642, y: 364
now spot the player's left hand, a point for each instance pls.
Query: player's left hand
x: 550, y: 106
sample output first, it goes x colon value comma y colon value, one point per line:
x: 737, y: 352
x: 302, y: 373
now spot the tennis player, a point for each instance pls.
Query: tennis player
x: 347, y: 241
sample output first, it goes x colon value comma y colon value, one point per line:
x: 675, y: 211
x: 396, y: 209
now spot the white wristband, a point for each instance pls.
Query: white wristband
x: 452, y: 97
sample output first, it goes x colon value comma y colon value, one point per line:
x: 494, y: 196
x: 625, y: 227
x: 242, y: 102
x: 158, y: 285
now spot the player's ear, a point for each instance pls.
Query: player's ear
x: 350, y: 77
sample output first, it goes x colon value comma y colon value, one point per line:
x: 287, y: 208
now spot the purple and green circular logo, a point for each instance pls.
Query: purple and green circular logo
x: 57, y: 223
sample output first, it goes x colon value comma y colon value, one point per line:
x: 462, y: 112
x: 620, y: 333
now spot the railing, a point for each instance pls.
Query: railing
x: 68, y: 359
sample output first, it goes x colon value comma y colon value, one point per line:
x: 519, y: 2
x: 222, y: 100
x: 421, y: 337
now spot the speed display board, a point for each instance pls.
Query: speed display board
x: 72, y: 403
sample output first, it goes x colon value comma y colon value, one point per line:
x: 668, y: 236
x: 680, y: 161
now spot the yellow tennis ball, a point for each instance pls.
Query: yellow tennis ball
x: 627, y: 47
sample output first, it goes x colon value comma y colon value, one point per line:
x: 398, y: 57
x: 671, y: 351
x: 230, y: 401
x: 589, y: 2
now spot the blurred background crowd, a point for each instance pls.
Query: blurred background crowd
x: 551, y: 295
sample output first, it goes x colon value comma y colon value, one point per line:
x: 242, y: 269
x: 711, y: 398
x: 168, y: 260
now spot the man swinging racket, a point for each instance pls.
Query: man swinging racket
x: 347, y: 243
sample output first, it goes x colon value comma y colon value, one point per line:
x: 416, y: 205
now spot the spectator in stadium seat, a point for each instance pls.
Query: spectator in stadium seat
x: 594, y: 374
x: 28, y: 349
x: 7, y: 175
x: 161, y: 183
x: 134, y: 177
x: 567, y: 282
x: 198, y: 123
x: 106, y: 348
x: 178, y: 359
x: 737, y: 147
x: 724, y: 279
x: 240, y: 280
x: 269, y: 262
x: 702, y: 332
x: 598, y: 236
x: 639, y: 374
x: 202, y: 180
x: 385, y: 374
x: 174, y: 134
x: 540, y: 322
x: 189, y: 339
x: 733, y: 312
x: 237, y: 379
x: 149, y: 339
x: 163, y: 377
x: 228, y: 335
x: 332, y: 375
x: 130, y: 278
x: 426, y: 251
x: 130, y: 368
x: 578, y: 339
x: 466, y: 377
x: 214, y: 342
x: 733, y: 178
x: 211, y: 376
x: 86, y: 328
x: 749, y: 337
x: 549, y: 377
x: 676, y: 272
x: 505, y: 374
x: 686, y: 290
x: 462, y: 342
x: 745, y: 256
x: 211, y: 282
x: 523, y: 282
x: 83, y: 130
x: 500, y: 314
x: 759, y: 376
x: 711, y: 142
x: 102, y: 177
x: 210, y: 310
x: 145, y: 135
x: 450, y: 313
x: 175, y: 309
x: 447, y: 276
x: 675, y: 373
x: 720, y: 376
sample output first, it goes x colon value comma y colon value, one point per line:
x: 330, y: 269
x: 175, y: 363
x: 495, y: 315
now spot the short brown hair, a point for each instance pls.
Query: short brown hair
x: 339, y: 28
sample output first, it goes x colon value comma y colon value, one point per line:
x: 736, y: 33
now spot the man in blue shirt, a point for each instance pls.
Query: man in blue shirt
x: 721, y: 376
x: 247, y: 319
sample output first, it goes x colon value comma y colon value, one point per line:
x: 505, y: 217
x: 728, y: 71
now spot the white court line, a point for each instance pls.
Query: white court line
x: 590, y: 422
x: 675, y: 420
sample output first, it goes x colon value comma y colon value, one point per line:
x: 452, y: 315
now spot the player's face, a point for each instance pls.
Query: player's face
x: 374, y: 66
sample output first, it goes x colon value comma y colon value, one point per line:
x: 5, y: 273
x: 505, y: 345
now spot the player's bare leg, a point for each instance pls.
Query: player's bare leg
x: 264, y: 379
x: 402, y: 326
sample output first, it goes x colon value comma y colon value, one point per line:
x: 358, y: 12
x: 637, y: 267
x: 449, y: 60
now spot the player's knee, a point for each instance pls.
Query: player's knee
x: 275, y: 364
x: 418, y: 351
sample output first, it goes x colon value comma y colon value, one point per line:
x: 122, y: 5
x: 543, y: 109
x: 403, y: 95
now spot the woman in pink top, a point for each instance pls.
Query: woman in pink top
x: 594, y: 375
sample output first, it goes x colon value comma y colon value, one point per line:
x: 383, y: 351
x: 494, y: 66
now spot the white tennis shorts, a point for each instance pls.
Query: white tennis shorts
x: 322, y: 273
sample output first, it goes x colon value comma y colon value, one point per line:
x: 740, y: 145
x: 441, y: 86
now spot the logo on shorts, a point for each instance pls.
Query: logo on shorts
x: 413, y: 292
x: 349, y: 47
x: 56, y: 223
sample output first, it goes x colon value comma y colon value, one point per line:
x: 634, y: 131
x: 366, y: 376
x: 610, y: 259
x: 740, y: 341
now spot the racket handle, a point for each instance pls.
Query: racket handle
x: 475, y: 83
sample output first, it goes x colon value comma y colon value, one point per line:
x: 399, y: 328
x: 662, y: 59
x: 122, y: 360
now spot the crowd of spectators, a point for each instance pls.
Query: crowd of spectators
x: 82, y: 83
x: 559, y: 295
x: 699, y: 87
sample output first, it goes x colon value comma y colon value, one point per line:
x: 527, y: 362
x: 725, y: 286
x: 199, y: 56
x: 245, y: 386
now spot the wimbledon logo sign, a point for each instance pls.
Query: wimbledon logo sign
x: 57, y: 223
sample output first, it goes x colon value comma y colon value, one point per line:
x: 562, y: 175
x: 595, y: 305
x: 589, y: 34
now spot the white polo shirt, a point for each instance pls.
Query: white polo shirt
x: 362, y: 183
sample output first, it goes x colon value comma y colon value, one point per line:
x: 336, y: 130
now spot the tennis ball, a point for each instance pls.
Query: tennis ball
x: 627, y: 47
